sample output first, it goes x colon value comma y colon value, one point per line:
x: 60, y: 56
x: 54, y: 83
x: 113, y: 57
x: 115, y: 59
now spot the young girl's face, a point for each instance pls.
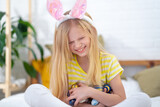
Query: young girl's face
x: 79, y: 42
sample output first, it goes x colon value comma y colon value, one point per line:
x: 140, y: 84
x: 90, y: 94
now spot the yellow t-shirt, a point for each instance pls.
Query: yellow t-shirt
x: 110, y: 67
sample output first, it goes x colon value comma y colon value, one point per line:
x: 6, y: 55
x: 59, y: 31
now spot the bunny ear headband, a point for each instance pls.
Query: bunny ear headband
x: 55, y: 8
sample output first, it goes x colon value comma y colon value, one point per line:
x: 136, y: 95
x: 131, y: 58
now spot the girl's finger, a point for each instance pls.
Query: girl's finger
x: 73, y: 93
x: 76, y: 103
x: 81, y: 84
x: 71, y: 97
x: 105, y: 90
x: 71, y: 90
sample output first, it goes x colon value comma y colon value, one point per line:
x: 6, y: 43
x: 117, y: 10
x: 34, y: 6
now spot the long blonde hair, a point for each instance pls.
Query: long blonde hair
x: 62, y: 55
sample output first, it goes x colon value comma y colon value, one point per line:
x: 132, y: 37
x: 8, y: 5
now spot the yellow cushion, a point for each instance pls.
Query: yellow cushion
x: 43, y: 68
x: 149, y: 81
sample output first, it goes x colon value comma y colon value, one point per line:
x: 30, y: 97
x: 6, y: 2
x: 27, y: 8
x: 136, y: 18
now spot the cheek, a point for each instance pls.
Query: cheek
x: 88, y: 41
x: 71, y: 47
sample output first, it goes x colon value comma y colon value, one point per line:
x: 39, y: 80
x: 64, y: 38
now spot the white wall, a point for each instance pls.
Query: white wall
x: 131, y: 28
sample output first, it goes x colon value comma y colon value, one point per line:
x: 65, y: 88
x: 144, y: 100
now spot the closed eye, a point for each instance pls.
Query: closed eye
x: 71, y: 42
x: 81, y: 38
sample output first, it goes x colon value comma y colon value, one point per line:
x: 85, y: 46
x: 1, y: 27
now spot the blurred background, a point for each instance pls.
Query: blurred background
x: 130, y: 28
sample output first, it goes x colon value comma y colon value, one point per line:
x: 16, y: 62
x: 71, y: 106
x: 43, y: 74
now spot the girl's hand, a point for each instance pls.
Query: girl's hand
x: 80, y: 93
x: 100, y: 105
x: 89, y: 105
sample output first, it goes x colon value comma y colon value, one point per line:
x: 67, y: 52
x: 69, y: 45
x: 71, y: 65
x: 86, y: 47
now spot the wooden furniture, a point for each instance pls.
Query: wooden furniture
x: 147, y: 63
x: 8, y: 86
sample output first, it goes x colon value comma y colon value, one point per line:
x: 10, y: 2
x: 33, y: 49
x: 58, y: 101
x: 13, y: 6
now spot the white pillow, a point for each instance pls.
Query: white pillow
x: 14, y: 101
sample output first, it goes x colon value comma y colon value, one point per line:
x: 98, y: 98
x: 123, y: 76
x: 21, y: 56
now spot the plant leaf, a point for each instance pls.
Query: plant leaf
x: 40, y: 50
x: 35, y: 57
x: 2, y: 42
x: 18, y: 33
x: 12, y: 63
x: 16, y: 52
x: 34, y: 54
x: 30, y: 26
x: 2, y: 60
x: 3, y: 27
x: 29, y: 69
x: 1, y: 15
x: 22, y: 27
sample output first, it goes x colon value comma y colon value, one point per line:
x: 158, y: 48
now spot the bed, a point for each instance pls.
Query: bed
x: 134, y: 79
x: 130, y: 84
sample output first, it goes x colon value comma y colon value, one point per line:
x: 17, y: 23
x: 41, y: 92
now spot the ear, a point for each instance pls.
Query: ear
x: 79, y: 9
x: 55, y: 9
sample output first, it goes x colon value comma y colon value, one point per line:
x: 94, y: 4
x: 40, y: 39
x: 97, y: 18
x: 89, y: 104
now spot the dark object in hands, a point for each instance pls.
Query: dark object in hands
x: 108, y: 90
x: 71, y: 102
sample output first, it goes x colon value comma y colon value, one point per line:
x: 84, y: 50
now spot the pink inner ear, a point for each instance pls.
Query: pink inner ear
x: 79, y: 9
x: 55, y: 9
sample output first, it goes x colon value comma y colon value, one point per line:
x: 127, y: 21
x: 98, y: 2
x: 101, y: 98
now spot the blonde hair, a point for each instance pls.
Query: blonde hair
x: 62, y: 55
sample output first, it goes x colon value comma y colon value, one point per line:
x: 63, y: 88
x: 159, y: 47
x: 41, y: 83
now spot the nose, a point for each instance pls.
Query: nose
x: 77, y: 45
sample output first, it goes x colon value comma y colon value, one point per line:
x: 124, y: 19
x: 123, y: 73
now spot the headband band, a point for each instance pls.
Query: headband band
x: 67, y: 17
x: 55, y: 8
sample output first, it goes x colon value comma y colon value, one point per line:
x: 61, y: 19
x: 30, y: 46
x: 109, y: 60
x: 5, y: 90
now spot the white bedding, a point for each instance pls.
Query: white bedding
x: 14, y: 101
x: 131, y: 86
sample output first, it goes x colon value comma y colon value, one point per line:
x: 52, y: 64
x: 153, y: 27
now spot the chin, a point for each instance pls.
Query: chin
x: 82, y: 54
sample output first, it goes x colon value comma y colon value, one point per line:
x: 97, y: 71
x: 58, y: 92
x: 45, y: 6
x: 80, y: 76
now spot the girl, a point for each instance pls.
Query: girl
x: 78, y: 57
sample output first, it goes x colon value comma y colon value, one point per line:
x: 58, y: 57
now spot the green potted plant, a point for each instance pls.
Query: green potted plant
x: 19, y: 32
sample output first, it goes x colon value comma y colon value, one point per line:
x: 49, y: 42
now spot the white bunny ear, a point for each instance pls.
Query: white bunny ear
x: 55, y: 9
x: 79, y: 9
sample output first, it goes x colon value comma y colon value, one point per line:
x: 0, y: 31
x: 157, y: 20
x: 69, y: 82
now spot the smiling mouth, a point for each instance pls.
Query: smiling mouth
x: 81, y: 50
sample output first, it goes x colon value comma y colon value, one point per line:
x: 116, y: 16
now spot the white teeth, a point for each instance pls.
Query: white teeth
x: 80, y: 50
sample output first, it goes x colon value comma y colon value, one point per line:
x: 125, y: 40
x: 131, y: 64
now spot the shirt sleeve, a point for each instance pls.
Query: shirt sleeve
x: 114, y: 69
